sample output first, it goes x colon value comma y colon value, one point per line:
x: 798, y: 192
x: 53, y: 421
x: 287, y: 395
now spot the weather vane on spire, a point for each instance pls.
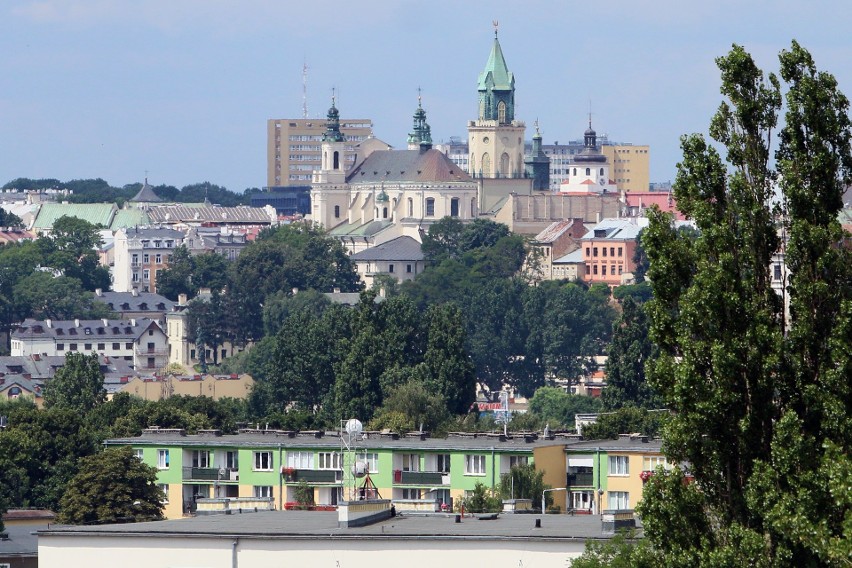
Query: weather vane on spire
x: 496, y: 25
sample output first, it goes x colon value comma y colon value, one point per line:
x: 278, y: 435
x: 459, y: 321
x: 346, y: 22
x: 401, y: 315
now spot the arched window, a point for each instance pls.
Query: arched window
x: 337, y: 211
x: 501, y: 112
x: 588, y: 171
x: 504, y: 164
x: 454, y: 207
x: 601, y: 171
x: 410, y: 207
x: 430, y: 206
x: 384, y: 212
x: 336, y: 161
x: 486, y: 164
x: 575, y: 171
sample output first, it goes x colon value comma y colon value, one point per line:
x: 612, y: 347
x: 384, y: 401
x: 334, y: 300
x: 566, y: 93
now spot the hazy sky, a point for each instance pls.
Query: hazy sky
x: 183, y: 88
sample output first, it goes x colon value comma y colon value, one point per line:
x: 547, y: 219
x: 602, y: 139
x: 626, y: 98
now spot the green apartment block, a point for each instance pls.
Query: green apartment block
x: 414, y: 470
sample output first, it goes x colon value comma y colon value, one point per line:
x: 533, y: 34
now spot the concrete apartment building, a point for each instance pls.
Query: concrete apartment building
x: 140, y: 253
x: 293, y: 147
x: 138, y: 340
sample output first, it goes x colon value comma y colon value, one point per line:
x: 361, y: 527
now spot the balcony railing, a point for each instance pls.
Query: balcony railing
x: 207, y: 474
x: 420, y: 478
x: 581, y: 479
x: 151, y: 352
x: 312, y: 475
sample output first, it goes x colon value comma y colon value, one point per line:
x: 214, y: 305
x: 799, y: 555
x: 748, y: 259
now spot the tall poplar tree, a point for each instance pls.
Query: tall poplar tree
x: 760, y: 394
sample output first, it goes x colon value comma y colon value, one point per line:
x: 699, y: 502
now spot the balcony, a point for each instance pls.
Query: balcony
x: 209, y: 474
x: 149, y: 352
x: 312, y: 475
x: 584, y: 479
x: 420, y: 478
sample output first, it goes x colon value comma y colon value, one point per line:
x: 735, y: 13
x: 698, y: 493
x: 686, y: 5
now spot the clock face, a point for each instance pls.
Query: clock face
x: 486, y: 140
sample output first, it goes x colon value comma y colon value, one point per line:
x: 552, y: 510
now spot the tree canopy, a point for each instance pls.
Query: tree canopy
x: 759, y: 388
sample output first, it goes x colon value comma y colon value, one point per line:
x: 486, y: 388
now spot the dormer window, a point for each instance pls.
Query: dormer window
x: 87, y: 331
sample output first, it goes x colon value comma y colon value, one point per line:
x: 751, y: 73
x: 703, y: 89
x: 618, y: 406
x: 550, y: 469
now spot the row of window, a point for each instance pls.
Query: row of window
x: 603, y: 269
x: 592, y: 252
x: 88, y: 347
x: 169, y: 243
x: 475, y: 464
x: 146, y: 259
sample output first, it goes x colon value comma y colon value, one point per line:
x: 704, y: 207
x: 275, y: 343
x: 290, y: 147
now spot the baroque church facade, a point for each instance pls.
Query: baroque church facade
x: 387, y: 194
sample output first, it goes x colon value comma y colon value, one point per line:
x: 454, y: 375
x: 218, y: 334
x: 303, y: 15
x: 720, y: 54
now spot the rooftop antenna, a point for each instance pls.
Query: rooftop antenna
x: 305, y: 89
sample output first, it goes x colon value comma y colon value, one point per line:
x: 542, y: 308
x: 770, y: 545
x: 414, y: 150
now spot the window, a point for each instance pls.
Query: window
x: 372, y: 461
x: 601, y: 171
x: 652, y: 463
x: 594, y: 269
x: 162, y: 459
x: 158, y: 258
x: 444, y: 463
x: 146, y: 275
x: 454, y: 207
x: 87, y: 346
x: 408, y: 268
x: 138, y: 452
x: 588, y: 252
x: 588, y: 171
x: 603, y: 269
x: 135, y: 261
x: 330, y: 460
x: 128, y: 346
x: 300, y: 460
x: 430, y: 206
x: 337, y: 211
x: 101, y: 346
x: 409, y: 493
x: 618, y: 500
x: 474, y: 464
x: 612, y: 251
x: 603, y: 251
x: 164, y: 487
x: 595, y: 251
x: 518, y: 460
x: 620, y: 251
x: 410, y: 462
x: 200, y: 458
x: 619, y: 465
x: 146, y: 258
x: 72, y: 347
x: 60, y: 346
x: 263, y: 492
x: 390, y: 268
x: 776, y: 275
x: 262, y: 461
x: 232, y: 460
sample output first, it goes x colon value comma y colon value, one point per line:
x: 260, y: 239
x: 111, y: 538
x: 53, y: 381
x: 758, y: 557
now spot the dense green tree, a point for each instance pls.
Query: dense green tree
x: 41, y: 295
x: 411, y: 405
x: 9, y: 219
x: 481, y: 500
x: 280, y: 305
x: 626, y: 420
x: 452, y: 374
x: 177, y: 278
x: 78, y: 384
x: 443, y: 240
x: 112, y: 486
x: 524, y: 482
x: 640, y: 293
x: 628, y: 352
x: 41, y: 450
x: 759, y: 400
x: 556, y: 407
x: 71, y: 248
x: 209, y: 270
x: 640, y: 259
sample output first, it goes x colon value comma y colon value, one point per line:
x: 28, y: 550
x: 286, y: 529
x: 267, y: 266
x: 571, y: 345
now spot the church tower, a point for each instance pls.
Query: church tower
x: 495, y: 138
x: 537, y: 164
x: 421, y: 136
x: 329, y: 192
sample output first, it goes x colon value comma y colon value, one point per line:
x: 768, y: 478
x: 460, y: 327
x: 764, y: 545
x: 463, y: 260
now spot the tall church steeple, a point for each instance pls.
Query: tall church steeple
x: 537, y: 164
x: 421, y: 135
x: 333, y: 169
x: 332, y: 125
x: 496, y: 87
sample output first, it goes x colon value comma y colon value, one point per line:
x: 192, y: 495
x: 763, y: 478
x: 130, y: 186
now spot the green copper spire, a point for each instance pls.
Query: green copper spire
x: 332, y: 125
x: 422, y: 133
x: 496, y: 87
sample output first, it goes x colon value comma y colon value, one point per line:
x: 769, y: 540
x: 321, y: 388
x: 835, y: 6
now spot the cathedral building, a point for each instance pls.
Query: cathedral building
x: 388, y: 193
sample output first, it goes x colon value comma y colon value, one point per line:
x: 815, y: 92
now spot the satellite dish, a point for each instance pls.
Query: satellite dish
x: 354, y: 427
x: 359, y: 469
